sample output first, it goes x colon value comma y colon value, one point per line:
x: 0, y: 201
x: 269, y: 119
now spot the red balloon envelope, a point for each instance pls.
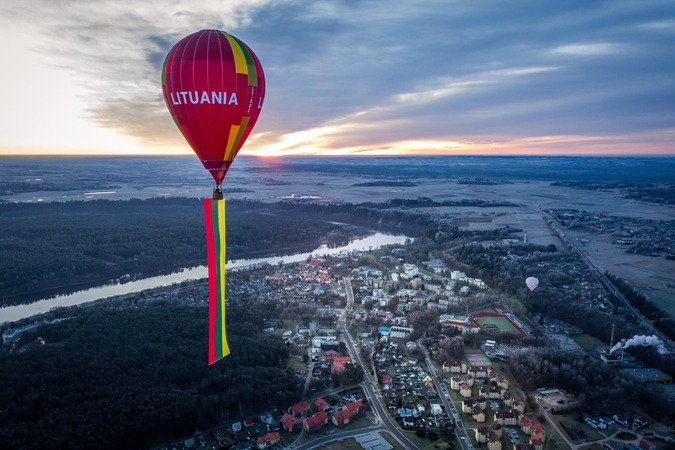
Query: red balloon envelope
x: 214, y: 87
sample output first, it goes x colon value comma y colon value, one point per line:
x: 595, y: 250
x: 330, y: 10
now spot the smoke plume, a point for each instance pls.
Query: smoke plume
x: 645, y: 341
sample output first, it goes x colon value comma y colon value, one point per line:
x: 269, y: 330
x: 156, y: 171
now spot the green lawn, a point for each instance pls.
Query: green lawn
x: 500, y: 322
x: 389, y: 438
x: 295, y: 362
x: 586, y: 341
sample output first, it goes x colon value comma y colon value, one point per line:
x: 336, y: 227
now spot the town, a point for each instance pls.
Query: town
x: 397, y: 351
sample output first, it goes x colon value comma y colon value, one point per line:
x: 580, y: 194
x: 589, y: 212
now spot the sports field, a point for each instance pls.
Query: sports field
x: 477, y: 358
x: 502, y: 323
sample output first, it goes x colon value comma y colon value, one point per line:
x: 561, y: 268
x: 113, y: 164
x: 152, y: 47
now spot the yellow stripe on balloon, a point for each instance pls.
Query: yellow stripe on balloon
x: 239, y: 58
x: 240, y: 132
x: 223, y: 284
x: 231, y: 140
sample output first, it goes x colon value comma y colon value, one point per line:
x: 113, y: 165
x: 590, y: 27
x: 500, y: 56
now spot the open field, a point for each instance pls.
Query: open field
x: 648, y: 274
x: 586, y: 341
x: 526, y: 184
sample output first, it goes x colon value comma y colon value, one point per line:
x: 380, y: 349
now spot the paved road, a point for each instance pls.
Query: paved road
x: 460, y: 431
x: 599, y: 273
x: 337, y: 436
x: 369, y: 384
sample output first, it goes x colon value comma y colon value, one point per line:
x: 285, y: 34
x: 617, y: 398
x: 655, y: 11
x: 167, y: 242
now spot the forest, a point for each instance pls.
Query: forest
x: 45, y: 246
x: 61, y: 244
x: 128, y: 378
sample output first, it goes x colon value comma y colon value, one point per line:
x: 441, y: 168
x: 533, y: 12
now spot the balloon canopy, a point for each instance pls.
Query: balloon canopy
x: 532, y: 283
x: 214, y: 87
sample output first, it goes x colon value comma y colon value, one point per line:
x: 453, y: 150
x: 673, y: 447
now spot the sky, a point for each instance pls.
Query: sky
x: 351, y: 77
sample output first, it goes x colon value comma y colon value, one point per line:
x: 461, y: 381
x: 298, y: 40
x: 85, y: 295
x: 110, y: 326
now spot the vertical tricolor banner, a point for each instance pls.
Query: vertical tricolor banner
x: 214, y: 218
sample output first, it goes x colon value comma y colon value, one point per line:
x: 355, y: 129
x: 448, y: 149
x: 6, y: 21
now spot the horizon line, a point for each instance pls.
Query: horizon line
x: 393, y: 155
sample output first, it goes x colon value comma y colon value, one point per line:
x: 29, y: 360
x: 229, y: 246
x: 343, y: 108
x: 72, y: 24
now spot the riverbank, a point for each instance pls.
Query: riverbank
x: 18, y: 312
x: 122, y: 278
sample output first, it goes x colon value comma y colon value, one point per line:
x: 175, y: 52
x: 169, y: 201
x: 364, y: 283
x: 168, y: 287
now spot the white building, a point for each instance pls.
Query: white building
x: 400, y: 332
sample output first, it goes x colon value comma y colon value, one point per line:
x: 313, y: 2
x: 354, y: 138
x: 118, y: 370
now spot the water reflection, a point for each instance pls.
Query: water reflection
x: 12, y: 313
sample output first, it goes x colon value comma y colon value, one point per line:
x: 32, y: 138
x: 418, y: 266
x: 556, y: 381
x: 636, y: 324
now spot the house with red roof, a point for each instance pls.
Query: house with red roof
x: 386, y: 380
x: 290, y: 423
x: 537, y: 442
x: 299, y: 410
x: 524, y: 446
x: 538, y: 430
x: 339, y: 363
x: 342, y: 418
x: 315, y: 422
x: 269, y: 440
x: 354, y: 407
x: 321, y: 404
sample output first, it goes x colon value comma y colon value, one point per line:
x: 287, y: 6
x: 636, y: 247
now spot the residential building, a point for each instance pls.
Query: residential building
x: 290, y: 423
x: 299, y: 410
x: 478, y: 414
x: 321, y: 405
x: 315, y: 422
x: 269, y: 440
x: 538, y: 430
x: 494, y: 442
x: 342, y: 418
x: 506, y: 418
x: 537, y: 441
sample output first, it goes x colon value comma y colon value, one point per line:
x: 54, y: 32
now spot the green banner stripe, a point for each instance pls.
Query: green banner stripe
x: 216, y: 241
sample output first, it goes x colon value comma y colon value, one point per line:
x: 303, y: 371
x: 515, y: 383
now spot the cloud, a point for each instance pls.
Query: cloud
x: 597, y: 49
x: 363, y: 76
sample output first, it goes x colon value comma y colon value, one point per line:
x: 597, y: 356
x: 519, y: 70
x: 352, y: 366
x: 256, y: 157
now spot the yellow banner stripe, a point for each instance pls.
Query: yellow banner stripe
x: 239, y: 58
x: 223, y: 284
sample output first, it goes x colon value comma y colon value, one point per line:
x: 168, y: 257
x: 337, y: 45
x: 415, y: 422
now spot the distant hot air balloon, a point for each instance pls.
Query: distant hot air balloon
x: 214, y: 87
x: 532, y: 283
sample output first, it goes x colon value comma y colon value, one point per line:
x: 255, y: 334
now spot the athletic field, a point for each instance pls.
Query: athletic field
x: 501, y: 322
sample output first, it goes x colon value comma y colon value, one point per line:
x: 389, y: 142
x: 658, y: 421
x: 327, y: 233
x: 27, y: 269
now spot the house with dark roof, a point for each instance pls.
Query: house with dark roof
x: 494, y: 442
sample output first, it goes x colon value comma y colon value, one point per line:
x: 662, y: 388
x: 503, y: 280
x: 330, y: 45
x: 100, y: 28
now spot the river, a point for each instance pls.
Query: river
x: 12, y: 313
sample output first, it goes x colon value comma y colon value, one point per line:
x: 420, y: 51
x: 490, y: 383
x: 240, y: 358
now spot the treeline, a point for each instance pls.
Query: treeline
x: 660, y: 319
x: 43, y: 246
x: 596, y: 384
x: 595, y: 185
x: 664, y: 195
x: 60, y: 244
x: 125, y: 379
x: 387, y: 183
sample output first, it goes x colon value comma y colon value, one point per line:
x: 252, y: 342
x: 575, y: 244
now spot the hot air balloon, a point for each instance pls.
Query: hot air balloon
x: 532, y: 283
x: 214, y: 87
